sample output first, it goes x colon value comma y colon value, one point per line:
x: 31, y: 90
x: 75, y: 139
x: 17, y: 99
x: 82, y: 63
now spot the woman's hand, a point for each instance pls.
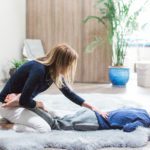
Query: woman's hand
x: 104, y: 114
x: 40, y: 105
x: 11, y: 100
x: 12, y: 96
x: 11, y: 103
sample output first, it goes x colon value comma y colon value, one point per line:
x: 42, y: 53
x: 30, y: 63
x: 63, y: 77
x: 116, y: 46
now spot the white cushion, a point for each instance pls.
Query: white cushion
x: 22, y: 116
x: 143, y: 73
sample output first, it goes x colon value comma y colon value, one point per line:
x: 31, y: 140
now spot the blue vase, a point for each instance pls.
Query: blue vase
x: 119, y: 76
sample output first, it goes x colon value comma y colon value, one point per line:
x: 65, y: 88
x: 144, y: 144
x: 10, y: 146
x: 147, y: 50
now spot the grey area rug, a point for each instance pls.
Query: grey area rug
x: 71, y: 140
x: 10, y: 140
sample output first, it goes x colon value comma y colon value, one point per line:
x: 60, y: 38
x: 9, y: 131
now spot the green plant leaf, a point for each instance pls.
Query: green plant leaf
x: 99, y: 19
x: 92, y: 45
x: 17, y: 63
x: 117, y: 17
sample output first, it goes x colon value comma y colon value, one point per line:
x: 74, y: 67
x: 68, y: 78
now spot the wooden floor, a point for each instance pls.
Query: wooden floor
x: 131, y: 88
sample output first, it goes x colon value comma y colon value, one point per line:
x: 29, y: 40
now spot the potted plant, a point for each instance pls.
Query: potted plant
x: 15, y: 65
x: 120, y: 21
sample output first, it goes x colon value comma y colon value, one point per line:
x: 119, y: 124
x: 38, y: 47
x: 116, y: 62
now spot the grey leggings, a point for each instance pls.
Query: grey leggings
x: 47, y: 117
x: 83, y: 120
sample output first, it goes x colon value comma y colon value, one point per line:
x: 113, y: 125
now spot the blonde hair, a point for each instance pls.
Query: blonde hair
x: 62, y: 60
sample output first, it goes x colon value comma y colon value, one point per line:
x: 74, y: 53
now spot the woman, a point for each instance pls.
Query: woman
x: 57, y: 66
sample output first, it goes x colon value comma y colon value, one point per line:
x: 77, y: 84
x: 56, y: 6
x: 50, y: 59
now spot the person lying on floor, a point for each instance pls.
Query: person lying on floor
x: 127, y: 119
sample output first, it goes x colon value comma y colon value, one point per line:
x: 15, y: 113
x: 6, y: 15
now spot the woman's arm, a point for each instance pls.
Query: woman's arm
x: 12, y: 100
x: 31, y: 83
x: 70, y: 94
x: 78, y: 100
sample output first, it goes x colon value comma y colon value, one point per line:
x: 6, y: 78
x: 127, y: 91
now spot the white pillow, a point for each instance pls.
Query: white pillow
x: 22, y: 116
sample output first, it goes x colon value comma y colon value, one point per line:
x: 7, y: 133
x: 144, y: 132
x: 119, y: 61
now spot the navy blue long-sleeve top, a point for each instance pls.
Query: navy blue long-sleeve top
x: 127, y: 119
x: 31, y: 79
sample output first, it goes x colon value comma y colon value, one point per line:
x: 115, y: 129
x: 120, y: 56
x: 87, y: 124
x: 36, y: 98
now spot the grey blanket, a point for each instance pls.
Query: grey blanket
x: 83, y: 120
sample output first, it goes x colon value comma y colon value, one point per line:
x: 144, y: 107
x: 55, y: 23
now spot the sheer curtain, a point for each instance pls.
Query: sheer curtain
x: 139, y: 45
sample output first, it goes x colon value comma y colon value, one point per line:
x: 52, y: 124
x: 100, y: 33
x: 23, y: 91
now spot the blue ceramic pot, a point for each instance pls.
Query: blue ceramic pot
x: 119, y: 76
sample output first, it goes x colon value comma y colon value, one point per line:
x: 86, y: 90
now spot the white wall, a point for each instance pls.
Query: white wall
x: 12, y: 33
